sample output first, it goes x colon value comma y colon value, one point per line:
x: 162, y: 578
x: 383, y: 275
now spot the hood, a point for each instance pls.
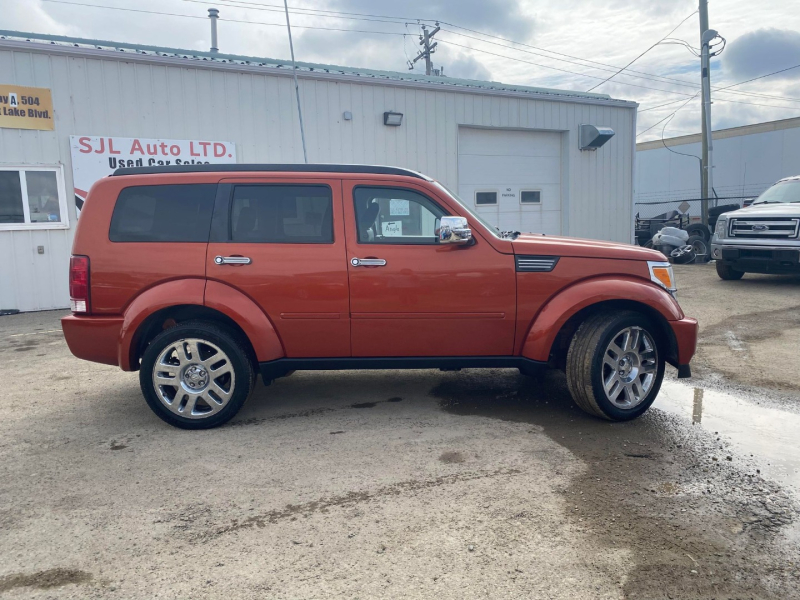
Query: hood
x: 546, y: 245
x: 789, y: 209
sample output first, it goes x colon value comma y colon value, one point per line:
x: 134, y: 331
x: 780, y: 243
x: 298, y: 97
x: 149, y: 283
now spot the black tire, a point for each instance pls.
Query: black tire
x: 700, y: 246
x: 699, y: 229
x: 242, y: 380
x: 585, y: 364
x: 648, y: 244
x: 727, y: 272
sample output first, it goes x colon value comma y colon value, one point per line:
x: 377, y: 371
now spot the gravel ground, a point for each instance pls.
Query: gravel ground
x: 748, y: 328
x: 384, y: 484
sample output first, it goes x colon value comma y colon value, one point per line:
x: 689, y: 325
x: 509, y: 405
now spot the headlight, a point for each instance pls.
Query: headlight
x: 661, y: 274
x: 722, y: 228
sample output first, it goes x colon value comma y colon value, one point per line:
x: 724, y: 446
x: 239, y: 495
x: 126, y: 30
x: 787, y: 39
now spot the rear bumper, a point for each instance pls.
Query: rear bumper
x: 93, y: 338
x: 685, y: 332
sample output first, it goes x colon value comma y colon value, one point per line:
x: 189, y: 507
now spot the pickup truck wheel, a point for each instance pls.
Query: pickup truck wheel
x: 614, y: 367
x: 727, y: 272
x: 196, y: 375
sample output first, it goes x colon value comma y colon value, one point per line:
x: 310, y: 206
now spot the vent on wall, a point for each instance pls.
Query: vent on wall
x: 592, y: 137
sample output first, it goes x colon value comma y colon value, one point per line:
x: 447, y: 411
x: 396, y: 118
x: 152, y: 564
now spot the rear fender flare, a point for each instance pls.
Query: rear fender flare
x: 222, y: 298
x: 560, y: 308
x: 249, y: 316
x: 158, y: 297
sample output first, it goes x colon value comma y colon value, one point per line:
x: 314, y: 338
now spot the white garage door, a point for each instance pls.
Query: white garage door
x: 512, y: 178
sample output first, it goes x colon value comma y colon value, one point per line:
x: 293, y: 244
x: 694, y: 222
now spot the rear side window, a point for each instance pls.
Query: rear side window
x: 163, y: 213
x: 282, y: 214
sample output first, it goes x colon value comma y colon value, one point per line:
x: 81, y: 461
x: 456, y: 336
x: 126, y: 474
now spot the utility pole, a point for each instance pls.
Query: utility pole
x: 296, y: 87
x: 705, y: 81
x: 427, y: 48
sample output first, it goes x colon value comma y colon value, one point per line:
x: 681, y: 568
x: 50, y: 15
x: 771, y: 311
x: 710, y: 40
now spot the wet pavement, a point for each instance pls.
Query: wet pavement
x: 387, y: 484
x: 754, y: 429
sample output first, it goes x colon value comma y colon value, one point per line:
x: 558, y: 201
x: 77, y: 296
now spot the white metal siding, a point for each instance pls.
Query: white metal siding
x: 744, y: 165
x: 118, y: 96
x: 507, y: 162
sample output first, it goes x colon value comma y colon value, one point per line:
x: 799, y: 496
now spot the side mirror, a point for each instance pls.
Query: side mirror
x: 454, y: 230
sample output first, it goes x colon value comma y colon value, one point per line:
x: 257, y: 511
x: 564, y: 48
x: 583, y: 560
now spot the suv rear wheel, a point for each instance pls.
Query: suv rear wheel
x: 727, y: 272
x: 614, y: 367
x: 196, y: 375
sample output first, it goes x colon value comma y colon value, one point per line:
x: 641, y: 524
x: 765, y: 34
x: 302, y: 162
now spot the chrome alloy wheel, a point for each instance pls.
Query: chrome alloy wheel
x: 193, y: 378
x: 630, y: 365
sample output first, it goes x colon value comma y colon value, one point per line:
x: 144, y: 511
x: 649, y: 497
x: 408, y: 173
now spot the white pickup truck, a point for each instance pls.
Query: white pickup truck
x: 762, y: 238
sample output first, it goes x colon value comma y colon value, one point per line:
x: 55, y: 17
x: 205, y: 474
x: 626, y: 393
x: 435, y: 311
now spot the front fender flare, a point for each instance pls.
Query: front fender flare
x: 561, y: 307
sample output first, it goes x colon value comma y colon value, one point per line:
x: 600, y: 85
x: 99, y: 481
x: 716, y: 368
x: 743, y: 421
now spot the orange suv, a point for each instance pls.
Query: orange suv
x: 202, y: 276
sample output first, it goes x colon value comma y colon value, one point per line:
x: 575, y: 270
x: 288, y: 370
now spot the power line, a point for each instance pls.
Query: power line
x: 559, y: 69
x: 308, y: 12
x: 760, y: 77
x: 315, y: 11
x: 619, y: 82
x: 643, y: 53
x: 655, y: 78
x: 152, y: 12
x: 668, y: 116
x: 312, y: 12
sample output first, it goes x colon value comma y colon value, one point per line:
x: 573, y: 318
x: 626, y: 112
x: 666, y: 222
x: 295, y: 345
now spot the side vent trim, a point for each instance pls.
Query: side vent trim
x: 535, y: 264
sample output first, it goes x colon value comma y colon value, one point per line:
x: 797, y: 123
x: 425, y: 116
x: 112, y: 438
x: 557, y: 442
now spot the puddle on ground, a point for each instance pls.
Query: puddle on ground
x: 767, y: 433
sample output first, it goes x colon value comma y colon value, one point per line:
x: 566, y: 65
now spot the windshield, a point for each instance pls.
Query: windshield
x: 784, y: 191
x: 492, y: 229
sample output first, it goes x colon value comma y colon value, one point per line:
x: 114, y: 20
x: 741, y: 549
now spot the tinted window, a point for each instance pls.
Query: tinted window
x: 482, y: 198
x: 163, y: 213
x: 395, y: 216
x: 282, y: 214
x: 530, y: 197
x: 10, y: 198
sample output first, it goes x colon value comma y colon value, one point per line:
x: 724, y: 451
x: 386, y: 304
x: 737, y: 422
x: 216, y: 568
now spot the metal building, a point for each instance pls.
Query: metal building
x: 747, y: 160
x: 512, y: 152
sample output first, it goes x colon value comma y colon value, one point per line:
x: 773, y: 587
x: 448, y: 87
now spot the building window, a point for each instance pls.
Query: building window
x: 530, y: 197
x: 32, y: 198
x: 485, y: 198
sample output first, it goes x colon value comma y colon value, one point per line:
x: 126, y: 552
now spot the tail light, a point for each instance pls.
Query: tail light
x: 79, y: 284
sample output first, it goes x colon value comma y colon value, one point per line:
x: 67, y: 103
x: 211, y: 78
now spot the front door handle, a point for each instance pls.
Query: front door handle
x: 232, y: 260
x: 368, y: 262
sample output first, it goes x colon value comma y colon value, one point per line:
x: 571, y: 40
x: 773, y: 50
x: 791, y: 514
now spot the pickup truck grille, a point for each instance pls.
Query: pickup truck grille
x: 764, y: 228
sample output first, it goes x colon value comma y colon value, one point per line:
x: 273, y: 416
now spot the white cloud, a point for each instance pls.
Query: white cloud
x: 611, y: 32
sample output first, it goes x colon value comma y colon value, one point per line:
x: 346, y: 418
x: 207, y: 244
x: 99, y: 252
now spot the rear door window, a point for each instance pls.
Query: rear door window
x: 163, y: 213
x: 282, y: 214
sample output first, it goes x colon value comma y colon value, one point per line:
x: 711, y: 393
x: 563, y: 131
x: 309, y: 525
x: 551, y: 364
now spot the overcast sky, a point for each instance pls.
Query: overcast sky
x: 762, y: 37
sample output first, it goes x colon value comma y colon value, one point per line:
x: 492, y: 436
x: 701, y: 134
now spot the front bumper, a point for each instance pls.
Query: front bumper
x: 93, y: 338
x: 685, y: 336
x: 753, y: 258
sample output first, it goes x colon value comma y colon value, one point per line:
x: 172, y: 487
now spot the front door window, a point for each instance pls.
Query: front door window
x: 386, y: 215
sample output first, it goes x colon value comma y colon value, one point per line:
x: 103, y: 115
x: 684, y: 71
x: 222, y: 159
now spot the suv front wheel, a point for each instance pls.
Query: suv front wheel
x: 196, y: 375
x: 614, y: 365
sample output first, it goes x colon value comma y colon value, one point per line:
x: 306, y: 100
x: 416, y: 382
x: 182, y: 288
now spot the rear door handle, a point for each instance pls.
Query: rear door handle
x: 232, y: 260
x: 368, y: 262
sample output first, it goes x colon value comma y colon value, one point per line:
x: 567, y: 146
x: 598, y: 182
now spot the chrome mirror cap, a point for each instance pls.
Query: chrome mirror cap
x: 454, y: 230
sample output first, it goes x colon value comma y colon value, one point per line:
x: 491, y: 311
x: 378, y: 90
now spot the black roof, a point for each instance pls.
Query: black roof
x: 299, y: 168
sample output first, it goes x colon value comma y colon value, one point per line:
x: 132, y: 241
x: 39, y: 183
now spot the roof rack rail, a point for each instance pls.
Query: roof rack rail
x: 299, y: 168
